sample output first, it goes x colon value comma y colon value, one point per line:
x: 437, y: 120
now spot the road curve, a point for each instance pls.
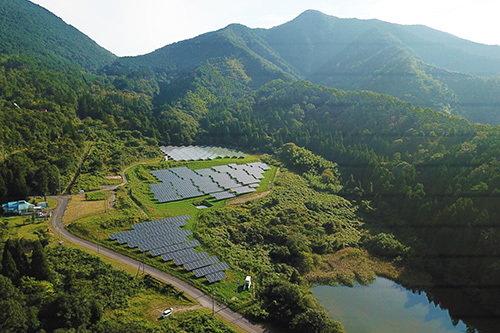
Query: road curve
x: 202, y: 298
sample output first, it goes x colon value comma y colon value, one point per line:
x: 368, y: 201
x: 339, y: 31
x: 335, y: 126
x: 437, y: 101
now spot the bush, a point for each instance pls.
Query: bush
x: 386, y: 245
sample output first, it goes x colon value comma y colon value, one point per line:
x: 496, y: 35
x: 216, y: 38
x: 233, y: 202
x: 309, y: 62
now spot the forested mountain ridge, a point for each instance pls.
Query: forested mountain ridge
x: 414, y: 63
x: 235, y: 42
x: 308, y: 42
x: 30, y: 30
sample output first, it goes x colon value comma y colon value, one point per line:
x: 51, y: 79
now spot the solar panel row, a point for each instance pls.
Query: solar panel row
x: 194, y: 257
x: 173, y: 248
x: 189, y: 153
x: 222, y: 195
x: 177, y: 254
x: 210, y: 269
x: 243, y: 190
x: 201, y: 263
x: 165, y: 237
x: 214, y: 277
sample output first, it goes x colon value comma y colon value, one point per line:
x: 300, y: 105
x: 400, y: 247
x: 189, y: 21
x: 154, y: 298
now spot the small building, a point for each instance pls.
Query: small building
x: 17, y: 207
x: 248, y: 283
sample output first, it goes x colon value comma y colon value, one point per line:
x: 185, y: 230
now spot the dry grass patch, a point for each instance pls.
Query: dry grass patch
x: 79, y: 208
x: 350, y: 265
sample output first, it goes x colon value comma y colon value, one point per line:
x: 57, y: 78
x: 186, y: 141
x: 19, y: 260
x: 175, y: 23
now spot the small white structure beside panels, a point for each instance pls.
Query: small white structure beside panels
x: 220, y: 182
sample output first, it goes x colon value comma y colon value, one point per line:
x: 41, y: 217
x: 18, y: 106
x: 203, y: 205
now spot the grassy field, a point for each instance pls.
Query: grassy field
x: 24, y: 227
x: 79, y: 207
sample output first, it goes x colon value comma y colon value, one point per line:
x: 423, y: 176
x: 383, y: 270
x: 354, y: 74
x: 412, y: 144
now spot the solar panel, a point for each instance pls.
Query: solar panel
x: 196, y: 152
x: 243, y: 190
x: 222, y: 195
x: 214, y: 277
x: 210, y: 269
x: 175, y: 247
x: 193, y: 257
x: 201, y: 263
x: 177, y: 254
x: 166, y: 249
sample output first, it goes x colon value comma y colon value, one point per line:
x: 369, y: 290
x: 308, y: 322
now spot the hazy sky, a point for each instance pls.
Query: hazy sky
x: 132, y: 27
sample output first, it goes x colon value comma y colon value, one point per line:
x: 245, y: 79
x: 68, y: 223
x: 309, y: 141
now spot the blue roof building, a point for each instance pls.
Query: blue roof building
x: 17, y: 207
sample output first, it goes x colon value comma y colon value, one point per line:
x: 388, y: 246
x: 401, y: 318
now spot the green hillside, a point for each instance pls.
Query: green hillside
x: 30, y: 30
x: 379, y: 62
x: 236, y: 42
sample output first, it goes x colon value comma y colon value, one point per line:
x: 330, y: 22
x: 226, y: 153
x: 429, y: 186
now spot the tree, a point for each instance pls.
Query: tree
x: 314, y: 321
x: 19, y: 257
x: 9, y: 268
x: 40, y: 268
x: 13, y: 317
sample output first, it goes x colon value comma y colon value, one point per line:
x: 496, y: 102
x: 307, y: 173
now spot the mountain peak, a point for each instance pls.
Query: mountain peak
x: 28, y: 29
x: 313, y: 14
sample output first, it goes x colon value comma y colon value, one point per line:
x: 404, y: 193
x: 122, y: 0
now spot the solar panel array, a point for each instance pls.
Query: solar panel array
x: 194, y: 153
x: 155, y: 234
x: 166, y: 238
x: 220, y: 182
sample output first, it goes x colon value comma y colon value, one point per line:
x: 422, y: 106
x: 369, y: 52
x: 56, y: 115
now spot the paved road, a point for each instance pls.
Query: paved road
x: 205, y: 300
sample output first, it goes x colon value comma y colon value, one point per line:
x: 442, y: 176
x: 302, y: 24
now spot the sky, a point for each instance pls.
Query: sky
x: 134, y: 27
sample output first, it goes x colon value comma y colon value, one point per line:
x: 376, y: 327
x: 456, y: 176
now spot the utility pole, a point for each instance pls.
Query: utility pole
x: 213, y: 301
x: 236, y: 291
x: 97, y: 231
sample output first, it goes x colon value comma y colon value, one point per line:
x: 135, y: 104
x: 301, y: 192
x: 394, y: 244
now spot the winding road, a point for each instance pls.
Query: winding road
x: 202, y: 298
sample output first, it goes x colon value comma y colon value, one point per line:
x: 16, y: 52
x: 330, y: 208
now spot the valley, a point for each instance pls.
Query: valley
x: 382, y: 143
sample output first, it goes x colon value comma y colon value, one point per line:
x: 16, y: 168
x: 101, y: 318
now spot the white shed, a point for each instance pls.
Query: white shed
x: 248, y: 283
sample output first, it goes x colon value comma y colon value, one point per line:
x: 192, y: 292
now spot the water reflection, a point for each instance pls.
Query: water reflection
x: 384, y: 306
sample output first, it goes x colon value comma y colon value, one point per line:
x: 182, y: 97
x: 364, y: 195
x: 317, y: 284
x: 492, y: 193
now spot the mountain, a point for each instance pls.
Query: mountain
x: 379, y: 62
x: 310, y: 40
x: 414, y: 63
x: 30, y: 30
x: 235, y: 42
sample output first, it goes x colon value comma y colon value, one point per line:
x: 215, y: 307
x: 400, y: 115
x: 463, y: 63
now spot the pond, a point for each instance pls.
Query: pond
x: 384, y: 306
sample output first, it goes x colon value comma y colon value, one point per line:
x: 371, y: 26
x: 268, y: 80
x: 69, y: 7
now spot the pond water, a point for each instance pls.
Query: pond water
x: 384, y: 306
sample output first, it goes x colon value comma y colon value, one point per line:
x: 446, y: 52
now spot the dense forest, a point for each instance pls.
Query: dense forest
x: 60, y: 289
x: 428, y: 175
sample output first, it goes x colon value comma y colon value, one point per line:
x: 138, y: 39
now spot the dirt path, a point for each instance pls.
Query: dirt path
x: 176, y: 310
x: 238, y: 201
x: 111, y: 188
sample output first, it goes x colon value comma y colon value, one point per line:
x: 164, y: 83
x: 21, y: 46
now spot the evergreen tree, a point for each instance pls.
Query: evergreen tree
x: 9, y: 268
x: 39, y: 264
x: 19, y: 257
